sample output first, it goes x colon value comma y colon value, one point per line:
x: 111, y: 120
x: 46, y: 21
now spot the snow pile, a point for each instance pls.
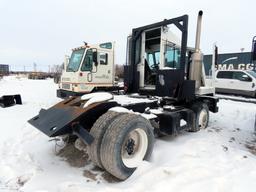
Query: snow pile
x: 96, y: 98
x: 123, y: 100
x: 219, y: 158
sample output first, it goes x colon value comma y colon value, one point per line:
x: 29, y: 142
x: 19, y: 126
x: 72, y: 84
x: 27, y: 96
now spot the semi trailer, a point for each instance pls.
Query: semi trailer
x: 165, y: 94
x: 232, y: 61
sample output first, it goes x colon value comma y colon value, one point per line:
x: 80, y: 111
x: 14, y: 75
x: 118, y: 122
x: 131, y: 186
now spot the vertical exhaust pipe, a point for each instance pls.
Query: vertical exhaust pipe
x: 196, y: 71
x: 198, y: 30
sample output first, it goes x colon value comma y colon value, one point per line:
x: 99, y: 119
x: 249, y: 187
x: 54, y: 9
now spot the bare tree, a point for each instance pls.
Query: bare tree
x: 119, y: 69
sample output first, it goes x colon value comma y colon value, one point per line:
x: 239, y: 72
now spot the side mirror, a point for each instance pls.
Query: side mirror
x: 95, y: 57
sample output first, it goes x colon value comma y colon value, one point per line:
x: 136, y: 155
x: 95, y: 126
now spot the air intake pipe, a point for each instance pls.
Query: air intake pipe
x: 196, y: 71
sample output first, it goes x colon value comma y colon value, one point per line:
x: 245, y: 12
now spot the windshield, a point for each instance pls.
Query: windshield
x: 252, y: 73
x: 75, y: 60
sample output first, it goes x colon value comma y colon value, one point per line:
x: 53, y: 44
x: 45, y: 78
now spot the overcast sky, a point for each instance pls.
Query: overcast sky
x: 43, y: 31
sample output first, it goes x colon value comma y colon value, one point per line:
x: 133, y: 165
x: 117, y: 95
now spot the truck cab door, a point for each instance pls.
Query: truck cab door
x: 224, y: 80
x: 103, y: 74
x: 241, y: 82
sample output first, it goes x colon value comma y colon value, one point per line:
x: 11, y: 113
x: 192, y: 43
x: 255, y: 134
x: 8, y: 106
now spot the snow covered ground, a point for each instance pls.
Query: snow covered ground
x: 220, y: 158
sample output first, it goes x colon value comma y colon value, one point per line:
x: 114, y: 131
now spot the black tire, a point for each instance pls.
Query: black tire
x: 198, y: 108
x: 97, y: 131
x: 115, y: 143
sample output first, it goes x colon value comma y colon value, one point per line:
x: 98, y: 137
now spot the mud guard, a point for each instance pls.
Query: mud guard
x: 68, y: 117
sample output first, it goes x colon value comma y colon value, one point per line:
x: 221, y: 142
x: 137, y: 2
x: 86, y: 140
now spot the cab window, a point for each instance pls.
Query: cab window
x: 172, y: 56
x: 157, y: 57
x: 225, y: 75
x: 106, y: 45
x: 87, y: 63
x: 103, y: 58
x: 238, y: 75
x: 153, y: 60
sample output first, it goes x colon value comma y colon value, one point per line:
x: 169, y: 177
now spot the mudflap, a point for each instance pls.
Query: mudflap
x: 69, y: 117
x: 9, y: 100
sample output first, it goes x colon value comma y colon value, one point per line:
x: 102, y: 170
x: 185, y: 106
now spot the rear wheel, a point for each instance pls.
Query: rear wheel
x: 201, y: 111
x: 127, y: 142
x: 97, y: 131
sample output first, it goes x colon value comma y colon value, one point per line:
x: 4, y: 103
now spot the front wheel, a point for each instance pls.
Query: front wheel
x: 127, y: 142
x: 201, y: 112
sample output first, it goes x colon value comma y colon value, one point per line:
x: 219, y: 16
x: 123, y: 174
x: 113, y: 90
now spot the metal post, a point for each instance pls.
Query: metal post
x: 214, y: 61
x: 253, y: 53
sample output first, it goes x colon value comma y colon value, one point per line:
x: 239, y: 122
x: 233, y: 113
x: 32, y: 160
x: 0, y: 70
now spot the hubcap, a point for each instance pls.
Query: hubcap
x: 130, y: 146
x: 134, y: 148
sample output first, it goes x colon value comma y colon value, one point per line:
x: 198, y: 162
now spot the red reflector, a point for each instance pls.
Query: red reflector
x: 81, y: 74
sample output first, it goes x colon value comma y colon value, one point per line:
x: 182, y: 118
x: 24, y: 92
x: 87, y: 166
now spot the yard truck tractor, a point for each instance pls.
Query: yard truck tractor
x: 165, y: 94
x: 90, y: 68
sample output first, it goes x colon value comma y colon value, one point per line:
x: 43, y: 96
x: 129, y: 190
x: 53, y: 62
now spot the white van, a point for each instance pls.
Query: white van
x: 237, y: 82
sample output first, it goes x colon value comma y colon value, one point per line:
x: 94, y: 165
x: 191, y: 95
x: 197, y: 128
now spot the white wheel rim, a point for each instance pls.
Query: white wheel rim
x: 203, y: 119
x: 138, y: 139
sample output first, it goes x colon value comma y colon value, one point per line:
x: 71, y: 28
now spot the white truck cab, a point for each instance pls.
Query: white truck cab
x: 238, y: 82
x: 90, y: 68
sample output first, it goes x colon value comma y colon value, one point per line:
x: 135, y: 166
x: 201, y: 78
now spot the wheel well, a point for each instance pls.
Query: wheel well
x: 87, y: 120
x: 210, y: 101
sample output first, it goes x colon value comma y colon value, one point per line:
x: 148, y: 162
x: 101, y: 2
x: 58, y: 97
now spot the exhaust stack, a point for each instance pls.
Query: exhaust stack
x: 196, y: 68
x: 198, y: 30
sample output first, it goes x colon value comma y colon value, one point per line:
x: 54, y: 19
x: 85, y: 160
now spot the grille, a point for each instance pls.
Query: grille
x: 65, y: 86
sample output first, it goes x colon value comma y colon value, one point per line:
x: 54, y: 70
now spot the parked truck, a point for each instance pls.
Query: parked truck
x: 81, y: 75
x: 165, y: 93
x: 235, y: 72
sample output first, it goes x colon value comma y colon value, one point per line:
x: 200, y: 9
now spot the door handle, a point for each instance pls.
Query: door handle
x: 89, y: 77
x: 253, y: 85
